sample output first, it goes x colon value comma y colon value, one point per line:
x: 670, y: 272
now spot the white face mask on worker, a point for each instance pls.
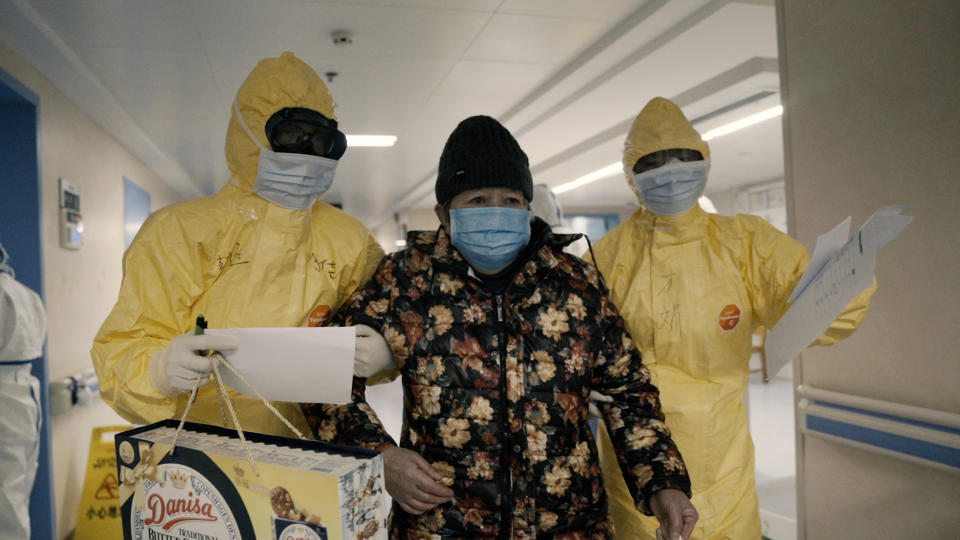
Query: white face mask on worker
x: 674, y: 188
x: 293, y: 181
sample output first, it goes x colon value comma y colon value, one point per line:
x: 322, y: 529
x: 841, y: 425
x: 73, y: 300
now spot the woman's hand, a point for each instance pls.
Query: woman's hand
x: 412, y: 482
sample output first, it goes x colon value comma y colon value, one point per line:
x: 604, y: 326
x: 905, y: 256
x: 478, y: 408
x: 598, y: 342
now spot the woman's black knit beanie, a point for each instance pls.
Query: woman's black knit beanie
x: 482, y: 153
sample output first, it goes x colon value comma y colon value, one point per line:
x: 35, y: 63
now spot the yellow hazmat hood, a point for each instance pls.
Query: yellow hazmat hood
x: 661, y: 125
x: 275, y: 83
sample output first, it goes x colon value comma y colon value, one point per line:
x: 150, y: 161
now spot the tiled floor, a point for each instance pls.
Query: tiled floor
x: 772, y: 426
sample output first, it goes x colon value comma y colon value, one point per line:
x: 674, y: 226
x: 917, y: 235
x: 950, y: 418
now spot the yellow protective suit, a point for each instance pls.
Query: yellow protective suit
x: 692, y: 289
x: 235, y: 258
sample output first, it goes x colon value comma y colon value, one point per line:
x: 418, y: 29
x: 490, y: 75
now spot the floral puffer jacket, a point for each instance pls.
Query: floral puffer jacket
x: 496, y: 389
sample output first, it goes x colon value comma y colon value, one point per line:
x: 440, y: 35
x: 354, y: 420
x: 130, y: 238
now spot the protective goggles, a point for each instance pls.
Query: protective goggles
x: 303, y: 131
x: 660, y: 158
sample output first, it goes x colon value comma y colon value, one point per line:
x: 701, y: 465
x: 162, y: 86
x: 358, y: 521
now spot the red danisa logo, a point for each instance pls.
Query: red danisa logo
x: 298, y: 532
x: 185, y: 504
x: 729, y: 317
x: 169, y: 512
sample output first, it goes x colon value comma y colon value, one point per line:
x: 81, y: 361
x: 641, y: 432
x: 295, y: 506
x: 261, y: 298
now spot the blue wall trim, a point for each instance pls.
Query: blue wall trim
x: 897, y: 443
x: 890, y: 417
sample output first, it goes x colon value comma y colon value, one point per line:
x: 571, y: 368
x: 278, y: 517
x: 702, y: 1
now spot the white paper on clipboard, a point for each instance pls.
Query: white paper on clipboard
x: 307, y: 365
x: 828, y: 244
x: 846, y: 269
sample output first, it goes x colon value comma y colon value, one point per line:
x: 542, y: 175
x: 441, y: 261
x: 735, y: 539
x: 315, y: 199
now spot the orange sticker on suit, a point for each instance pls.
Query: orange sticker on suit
x: 729, y: 317
x: 319, y: 315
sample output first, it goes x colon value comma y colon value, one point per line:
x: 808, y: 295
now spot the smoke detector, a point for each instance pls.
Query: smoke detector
x: 342, y: 38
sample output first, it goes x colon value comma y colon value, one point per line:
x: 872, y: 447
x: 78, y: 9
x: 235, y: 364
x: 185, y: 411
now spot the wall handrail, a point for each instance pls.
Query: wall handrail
x: 913, y: 434
x: 920, y: 414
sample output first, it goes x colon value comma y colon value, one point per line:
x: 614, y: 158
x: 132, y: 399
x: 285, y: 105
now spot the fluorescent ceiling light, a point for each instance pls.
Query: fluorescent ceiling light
x: 744, y: 122
x: 609, y: 170
x: 371, y: 140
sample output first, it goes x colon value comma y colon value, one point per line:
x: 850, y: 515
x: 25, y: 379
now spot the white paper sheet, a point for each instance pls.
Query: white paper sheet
x: 308, y: 365
x: 827, y: 245
x: 846, y: 270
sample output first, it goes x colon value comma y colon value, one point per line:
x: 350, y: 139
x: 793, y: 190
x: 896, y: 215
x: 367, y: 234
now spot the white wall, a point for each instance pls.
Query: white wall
x: 421, y: 219
x: 624, y: 211
x: 871, y: 119
x: 81, y: 286
x: 392, y: 230
x: 765, y: 199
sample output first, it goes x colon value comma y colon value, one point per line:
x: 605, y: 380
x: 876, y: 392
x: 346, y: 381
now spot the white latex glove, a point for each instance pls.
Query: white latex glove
x: 594, y: 397
x: 176, y: 368
x: 372, y: 353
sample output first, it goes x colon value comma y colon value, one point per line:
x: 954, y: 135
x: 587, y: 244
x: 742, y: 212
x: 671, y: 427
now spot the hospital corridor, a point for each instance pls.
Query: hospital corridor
x: 369, y: 269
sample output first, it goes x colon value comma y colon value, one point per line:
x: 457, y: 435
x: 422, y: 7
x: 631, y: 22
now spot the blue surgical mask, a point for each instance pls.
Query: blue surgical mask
x: 674, y: 188
x: 489, y: 237
x: 289, y: 180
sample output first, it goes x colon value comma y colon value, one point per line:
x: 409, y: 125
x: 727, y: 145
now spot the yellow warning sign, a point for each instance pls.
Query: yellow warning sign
x: 99, y: 512
x: 109, y: 488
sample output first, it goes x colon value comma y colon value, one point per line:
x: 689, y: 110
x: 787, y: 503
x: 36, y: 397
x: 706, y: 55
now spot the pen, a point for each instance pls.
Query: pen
x: 201, y: 325
x: 198, y: 330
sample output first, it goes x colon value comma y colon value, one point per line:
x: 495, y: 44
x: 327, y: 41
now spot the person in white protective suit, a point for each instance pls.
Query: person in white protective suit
x: 264, y: 251
x: 546, y: 207
x: 23, y: 328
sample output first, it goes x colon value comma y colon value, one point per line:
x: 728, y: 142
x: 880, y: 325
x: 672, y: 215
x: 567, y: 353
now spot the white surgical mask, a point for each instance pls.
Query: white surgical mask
x: 674, y: 188
x: 292, y: 181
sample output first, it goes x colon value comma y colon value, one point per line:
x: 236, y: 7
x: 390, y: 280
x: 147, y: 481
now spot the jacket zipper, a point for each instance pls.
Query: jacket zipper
x: 506, y: 511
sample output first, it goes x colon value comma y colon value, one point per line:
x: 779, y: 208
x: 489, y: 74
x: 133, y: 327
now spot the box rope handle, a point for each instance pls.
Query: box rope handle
x: 217, y: 360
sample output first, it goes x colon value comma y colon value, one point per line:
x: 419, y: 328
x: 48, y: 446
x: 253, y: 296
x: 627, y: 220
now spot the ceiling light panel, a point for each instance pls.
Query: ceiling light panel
x: 371, y: 140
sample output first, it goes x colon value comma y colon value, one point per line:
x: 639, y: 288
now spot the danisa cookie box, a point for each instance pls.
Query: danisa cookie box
x: 206, y: 488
